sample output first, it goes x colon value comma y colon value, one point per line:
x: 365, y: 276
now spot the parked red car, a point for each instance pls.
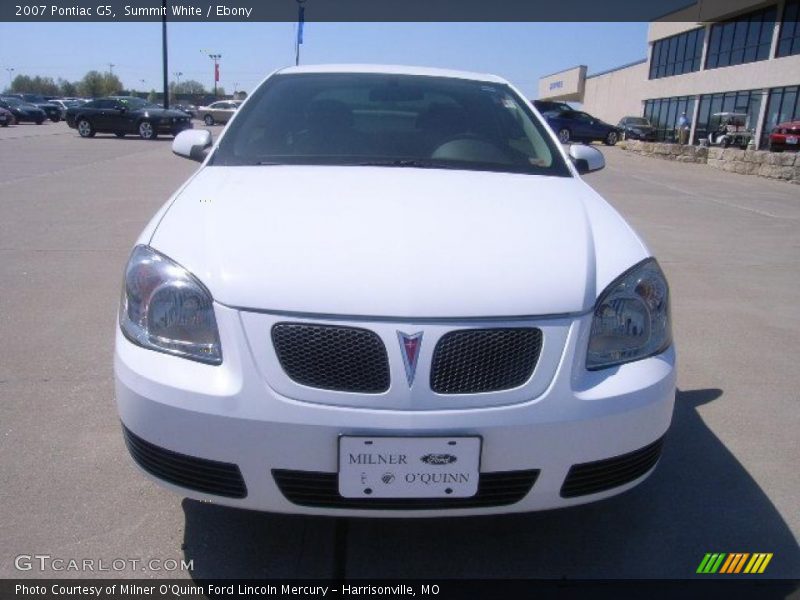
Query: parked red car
x: 785, y: 136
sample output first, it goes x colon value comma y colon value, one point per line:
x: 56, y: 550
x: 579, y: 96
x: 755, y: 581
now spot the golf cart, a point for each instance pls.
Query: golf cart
x: 729, y: 129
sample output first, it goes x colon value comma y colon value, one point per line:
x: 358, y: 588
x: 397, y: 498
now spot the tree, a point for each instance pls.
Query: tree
x: 190, y: 87
x: 96, y: 84
x: 67, y: 88
x: 23, y: 84
x: 152, y: 97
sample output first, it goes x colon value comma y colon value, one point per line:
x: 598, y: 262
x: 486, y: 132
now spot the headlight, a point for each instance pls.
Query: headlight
x: 631, y: 318
x: 165, y: 308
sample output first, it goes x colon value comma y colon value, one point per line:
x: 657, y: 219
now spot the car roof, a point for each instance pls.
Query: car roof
x: 393, y: 70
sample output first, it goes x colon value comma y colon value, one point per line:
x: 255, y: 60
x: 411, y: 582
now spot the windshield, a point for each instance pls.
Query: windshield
x: 638, y: 121
x: 388, y: 120
x: 13, y: 101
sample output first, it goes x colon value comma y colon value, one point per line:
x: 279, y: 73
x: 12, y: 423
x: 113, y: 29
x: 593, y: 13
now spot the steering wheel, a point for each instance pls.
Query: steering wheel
x: 470, y: 147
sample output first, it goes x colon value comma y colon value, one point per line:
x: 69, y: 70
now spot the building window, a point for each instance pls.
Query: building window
x: 789, y: 38
x: 743, y: 40
x: 745, y: 102
x: 783, y: 105
x: 663, y: 114
x: 677, y: 55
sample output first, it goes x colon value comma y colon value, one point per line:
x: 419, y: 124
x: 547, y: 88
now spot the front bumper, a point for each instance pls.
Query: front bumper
x: 167, y: 126
x: 178, y: 411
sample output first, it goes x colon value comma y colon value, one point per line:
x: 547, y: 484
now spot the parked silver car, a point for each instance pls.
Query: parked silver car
x: 218, y: 112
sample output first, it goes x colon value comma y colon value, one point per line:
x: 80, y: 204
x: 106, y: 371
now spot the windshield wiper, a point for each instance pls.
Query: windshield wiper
x: 409, y: 162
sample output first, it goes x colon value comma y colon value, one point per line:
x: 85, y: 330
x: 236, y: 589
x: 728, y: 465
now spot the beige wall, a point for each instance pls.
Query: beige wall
x: 616, y: 94
x: 776, y: 72
x: 565, y: 85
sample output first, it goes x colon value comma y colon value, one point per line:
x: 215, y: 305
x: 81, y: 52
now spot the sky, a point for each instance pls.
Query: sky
x: 520, y: 52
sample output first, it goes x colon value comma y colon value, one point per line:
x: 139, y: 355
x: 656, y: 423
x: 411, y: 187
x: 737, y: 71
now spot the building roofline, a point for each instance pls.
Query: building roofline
x: 674, y: 10
x: 563, y: 71
x: 619, y: 68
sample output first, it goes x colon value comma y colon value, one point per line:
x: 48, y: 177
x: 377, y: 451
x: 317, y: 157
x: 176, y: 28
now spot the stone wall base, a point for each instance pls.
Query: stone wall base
x: 773, y: 165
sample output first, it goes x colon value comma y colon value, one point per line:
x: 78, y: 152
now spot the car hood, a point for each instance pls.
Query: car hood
x: 395, y: 242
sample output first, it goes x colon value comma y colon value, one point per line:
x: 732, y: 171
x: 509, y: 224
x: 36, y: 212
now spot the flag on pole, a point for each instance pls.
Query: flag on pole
x: 301, y: 19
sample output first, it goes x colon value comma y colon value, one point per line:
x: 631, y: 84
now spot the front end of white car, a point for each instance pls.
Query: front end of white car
x: 423, y: 353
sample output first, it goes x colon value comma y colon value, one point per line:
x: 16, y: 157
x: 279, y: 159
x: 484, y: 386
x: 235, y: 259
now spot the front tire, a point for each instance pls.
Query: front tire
x: 55, y: 119
x: 40, y: 121
x: 724, y: 142
x: 611, y: 138
x: 147, y: 131
x: 85, y: 129
x: 208, y: 120
x: 564, y: 135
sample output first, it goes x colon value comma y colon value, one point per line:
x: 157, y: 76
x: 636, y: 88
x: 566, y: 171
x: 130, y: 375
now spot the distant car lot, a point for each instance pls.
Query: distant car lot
x: 69, y: 211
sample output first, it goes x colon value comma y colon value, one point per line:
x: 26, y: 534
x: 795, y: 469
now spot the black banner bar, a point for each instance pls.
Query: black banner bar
x: 446, y: 589
x: 346, y: 10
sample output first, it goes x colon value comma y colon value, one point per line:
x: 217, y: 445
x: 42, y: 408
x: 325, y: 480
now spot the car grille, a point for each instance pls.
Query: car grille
x: 472, y: 361
x: 601, y: 475
x: 311, y: 488
x: 200, y: 474
x: 346, y: 359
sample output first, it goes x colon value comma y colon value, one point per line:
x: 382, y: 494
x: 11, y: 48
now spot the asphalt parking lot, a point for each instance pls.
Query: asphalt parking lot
x: 70, y: 210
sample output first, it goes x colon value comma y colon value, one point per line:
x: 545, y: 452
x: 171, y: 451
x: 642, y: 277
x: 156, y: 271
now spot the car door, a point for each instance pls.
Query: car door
x: 219, y: 111
x: 103, y: 117
x: 117, y: 116
x: 584, y: 126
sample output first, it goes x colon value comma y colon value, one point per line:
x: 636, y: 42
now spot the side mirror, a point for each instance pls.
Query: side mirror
x: 586, y: 158
x: 192, y: 143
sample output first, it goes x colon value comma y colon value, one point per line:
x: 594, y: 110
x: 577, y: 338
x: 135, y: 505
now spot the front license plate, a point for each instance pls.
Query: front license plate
x: 409, y: 467
x: 791, y: 139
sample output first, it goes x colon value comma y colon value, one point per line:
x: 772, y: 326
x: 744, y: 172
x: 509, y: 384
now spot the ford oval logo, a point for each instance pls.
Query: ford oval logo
x: 439, y: 459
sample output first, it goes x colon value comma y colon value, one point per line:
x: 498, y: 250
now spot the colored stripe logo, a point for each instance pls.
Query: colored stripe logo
x: 733, y: 563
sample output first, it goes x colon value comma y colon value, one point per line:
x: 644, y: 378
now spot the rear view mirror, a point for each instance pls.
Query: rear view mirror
x: 586, y: 158
x: 192, y: 143
x: 393, y: 92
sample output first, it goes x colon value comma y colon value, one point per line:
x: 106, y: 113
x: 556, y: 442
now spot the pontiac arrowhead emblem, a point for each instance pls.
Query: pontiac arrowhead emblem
x: 409, y: 348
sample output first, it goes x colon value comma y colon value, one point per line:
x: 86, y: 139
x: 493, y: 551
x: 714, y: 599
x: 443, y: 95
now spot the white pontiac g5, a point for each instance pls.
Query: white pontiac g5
x: 388, y: 292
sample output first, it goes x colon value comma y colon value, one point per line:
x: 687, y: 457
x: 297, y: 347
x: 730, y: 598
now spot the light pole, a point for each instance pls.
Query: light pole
x: 111, y: 68
x: 177, y: 75
x: 10, y: 77
x: 216, y: 58
x: 301, y: 19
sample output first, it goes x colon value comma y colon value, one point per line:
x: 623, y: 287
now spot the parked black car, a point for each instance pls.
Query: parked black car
x: 189, y: 109
x: 6, y: 117
x: 23, y: 111
x: 637, y: 128
x: 577, y: 126
x: 52, y: 110
x: 121, y: 115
